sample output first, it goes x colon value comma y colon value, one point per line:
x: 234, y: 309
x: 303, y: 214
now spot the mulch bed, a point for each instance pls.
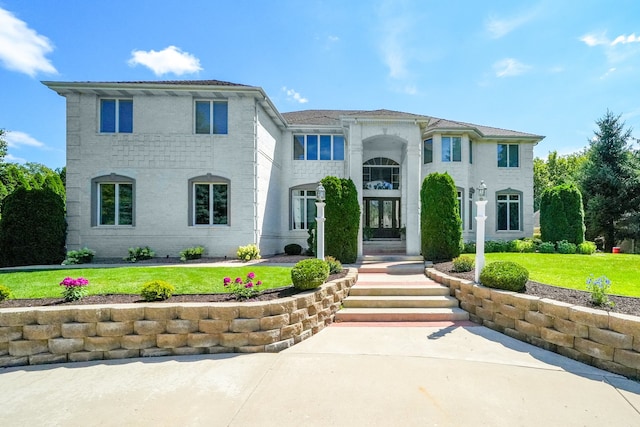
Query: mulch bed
x: 625, y: 305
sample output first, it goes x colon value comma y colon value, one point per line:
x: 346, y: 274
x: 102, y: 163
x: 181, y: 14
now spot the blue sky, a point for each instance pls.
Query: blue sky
x: 546, y: 67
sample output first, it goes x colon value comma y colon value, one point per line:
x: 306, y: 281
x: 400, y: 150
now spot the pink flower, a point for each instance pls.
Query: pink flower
x: 238, y: 280
x: 227, y: 280
x: 249, y: 285
x: 251, y: 276
x: 259, y: 283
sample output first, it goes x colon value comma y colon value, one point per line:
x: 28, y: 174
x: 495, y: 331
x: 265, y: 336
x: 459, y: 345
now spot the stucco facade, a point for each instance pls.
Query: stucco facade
x: 163, y: 182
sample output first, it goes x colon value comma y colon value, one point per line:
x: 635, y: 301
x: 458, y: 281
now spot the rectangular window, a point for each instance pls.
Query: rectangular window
x: 210, y: 204
x: 460, y: 207
x: 303, y: 209
x: 115, y: 204
x: 428, y: 151
x: 318, y: 147
x: 116, y: 115
x: 211, y: 117
x: 508, y: 212
x: 508, y: 156
x: 451, y: 149
x: 470, y: 152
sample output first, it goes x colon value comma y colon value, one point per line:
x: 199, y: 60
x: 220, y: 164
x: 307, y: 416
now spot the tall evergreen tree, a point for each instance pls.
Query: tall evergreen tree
x: 440, y: 222
x: 342, y: 213
x: 611, y: 181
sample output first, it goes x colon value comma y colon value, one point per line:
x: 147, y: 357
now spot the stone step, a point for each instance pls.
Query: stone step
x: 401, y: 314
x: 407, y: 289
x: 399, y: 301
x: 395, y: 268
x: 391, y: 258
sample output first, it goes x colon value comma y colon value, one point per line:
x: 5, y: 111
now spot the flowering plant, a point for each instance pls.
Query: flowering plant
x: 599, y: 288
x: 243, y: 289
x: 74, y: 289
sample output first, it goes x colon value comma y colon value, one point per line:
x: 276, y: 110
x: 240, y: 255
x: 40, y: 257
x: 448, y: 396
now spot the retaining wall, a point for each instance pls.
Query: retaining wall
x: 609, y: 341
x: 38, y: 335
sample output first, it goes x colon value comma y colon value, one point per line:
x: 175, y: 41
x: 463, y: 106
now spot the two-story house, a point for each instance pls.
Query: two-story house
x: 175, y: 164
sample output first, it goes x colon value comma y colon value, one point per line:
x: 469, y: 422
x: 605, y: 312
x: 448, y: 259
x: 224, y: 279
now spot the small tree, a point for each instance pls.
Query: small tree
x: 440, y: 222
x: 3, y: 145
x: 342, y: 222
x: 32, y: 228
x: 562, y: 215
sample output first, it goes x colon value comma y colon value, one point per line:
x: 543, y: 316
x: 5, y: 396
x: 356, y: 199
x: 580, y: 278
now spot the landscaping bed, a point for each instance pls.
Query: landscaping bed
x: 625, y: 305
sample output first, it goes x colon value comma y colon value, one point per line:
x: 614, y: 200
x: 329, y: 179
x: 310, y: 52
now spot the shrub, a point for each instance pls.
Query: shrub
x: 5, y: 293
x: 586, y: 248
x: 81, y: 256
x: 249, y: 252
x: 546, y: 248
x: 293, y: 249
x: 335, y: 266
x: 342, y: 223
x: 440, y: 222
x: 191, y: 253
x: 506, y: 275
x: 309, y: 273
x: 562, y: 214
x: 157, y: 290
x: 599, y: 288
x: 521, y: 246
x: 33, y: 228
x: 496, y: 246
x: 139, y: 254
x: 565, y: 247
x: 74, y: 289
x: 243, y: 289
x: 469, y: 248
x: 463, y: 263
x: 311, y: 239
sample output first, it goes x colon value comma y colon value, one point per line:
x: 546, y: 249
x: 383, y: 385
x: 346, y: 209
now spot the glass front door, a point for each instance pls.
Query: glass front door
x: 381, y: 218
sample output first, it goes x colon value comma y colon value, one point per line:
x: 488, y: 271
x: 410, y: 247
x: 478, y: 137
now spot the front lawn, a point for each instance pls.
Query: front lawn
x: 571, y: 271
x: 129, y: 280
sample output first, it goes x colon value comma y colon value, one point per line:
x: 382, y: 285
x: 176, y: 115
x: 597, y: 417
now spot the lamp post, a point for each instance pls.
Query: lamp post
x: 481, y: 205
x: 320, y: 195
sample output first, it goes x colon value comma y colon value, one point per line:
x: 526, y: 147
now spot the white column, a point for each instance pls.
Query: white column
x: 480, y: 224
x: 320, y: 235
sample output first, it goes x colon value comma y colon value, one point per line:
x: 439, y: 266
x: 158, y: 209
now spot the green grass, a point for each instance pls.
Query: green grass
x: 571, y: 271
x: 129, y: 280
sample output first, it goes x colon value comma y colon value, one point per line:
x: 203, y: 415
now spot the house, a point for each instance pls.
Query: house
x: 175, y: 164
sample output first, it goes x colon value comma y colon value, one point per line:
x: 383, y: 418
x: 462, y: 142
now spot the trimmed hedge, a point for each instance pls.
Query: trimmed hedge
x: 342, y: 223
x: 157, y: 290
x: 440, y: 222
x: 309, y: 273
x: 562, y: 214
x: 506, y: 275
x: 293, y: 249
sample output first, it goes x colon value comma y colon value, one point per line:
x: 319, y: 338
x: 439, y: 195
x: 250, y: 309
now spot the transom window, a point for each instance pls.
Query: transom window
x: 451, y: 149
x: 508, y: 156
x: 303, y: 209
x: 318, y: 147
x: 210, y: 203
x: 509, y: 211
x: 211, y: 117
x: 116, y: 115
x: 381, y: 173
x: 428, y: 151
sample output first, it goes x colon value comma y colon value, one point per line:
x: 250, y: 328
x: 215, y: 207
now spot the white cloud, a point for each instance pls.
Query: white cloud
x: 594, y: 39
x: 501, y: 27
x: 17, y: 139
x: 21, y: 48
x: 632, y: 38
x: 13, y: 159
x: 169, y: 60
x: 609, y: 71
x: 396, y: 28
x: 292, y: 95
x: 334, y: 39
x: 509, y: 67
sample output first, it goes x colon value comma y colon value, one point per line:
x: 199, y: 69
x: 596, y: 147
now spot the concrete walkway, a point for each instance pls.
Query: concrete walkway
x: 347, y: 375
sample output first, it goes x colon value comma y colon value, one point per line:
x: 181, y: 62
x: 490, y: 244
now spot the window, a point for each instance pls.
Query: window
x: 451, y: 149
x: 381, y: 173
x: 116, y: 115
x: 211, y: 117
x: 303, y: 209
x: 428, y: 151
x: 112, y: 201
x: 509, y: 211
x: 471, y: 191
x: 508, y: 156
x: 470, y: 152
x: 208, y: 200
x: 318, y: 147
x: 460, y: 205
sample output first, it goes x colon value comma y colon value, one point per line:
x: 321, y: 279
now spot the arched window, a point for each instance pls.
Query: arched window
x: 303, y: 207
x: 381, y: 173
x: 112, y: 200
x: 208, y: 200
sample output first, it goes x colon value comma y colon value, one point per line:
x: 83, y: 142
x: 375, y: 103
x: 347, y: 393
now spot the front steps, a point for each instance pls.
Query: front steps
x: 395, y: 289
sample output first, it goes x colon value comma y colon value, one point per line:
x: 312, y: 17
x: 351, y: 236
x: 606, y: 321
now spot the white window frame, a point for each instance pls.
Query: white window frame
x: 318, y: 135
x: 116, y: 203
x: 508, y: 154
x: 211, y: 116
x: 210, y: 185
x: 309, y: 194
x: 442, y: 151
x: 117, y: 115
x: 509, y: 193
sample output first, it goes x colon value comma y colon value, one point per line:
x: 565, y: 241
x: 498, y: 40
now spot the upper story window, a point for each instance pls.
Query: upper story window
x: 112, y: 199
x: 509, y: 210
x: 508, y: 156
x: 381, y: 173
x: 211, y: 117
x: 428, y: 151
x: 470, y: 152
x: 303, y: 208
x: 451, y: 149
x: 318, y: 147
x: 116, y: 115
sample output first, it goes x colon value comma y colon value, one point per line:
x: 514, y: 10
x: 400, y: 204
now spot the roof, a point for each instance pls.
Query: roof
x: 335, y: 118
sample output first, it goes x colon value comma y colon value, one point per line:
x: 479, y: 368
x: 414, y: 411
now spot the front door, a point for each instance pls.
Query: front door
x: 381, y: 217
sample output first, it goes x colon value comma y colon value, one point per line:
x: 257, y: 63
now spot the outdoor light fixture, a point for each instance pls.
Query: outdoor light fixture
x: 482, y: 190
x: 320, y: 193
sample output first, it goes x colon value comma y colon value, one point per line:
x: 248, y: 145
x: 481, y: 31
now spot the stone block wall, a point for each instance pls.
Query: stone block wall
x: 609, y: 341
x: 38, y: 335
